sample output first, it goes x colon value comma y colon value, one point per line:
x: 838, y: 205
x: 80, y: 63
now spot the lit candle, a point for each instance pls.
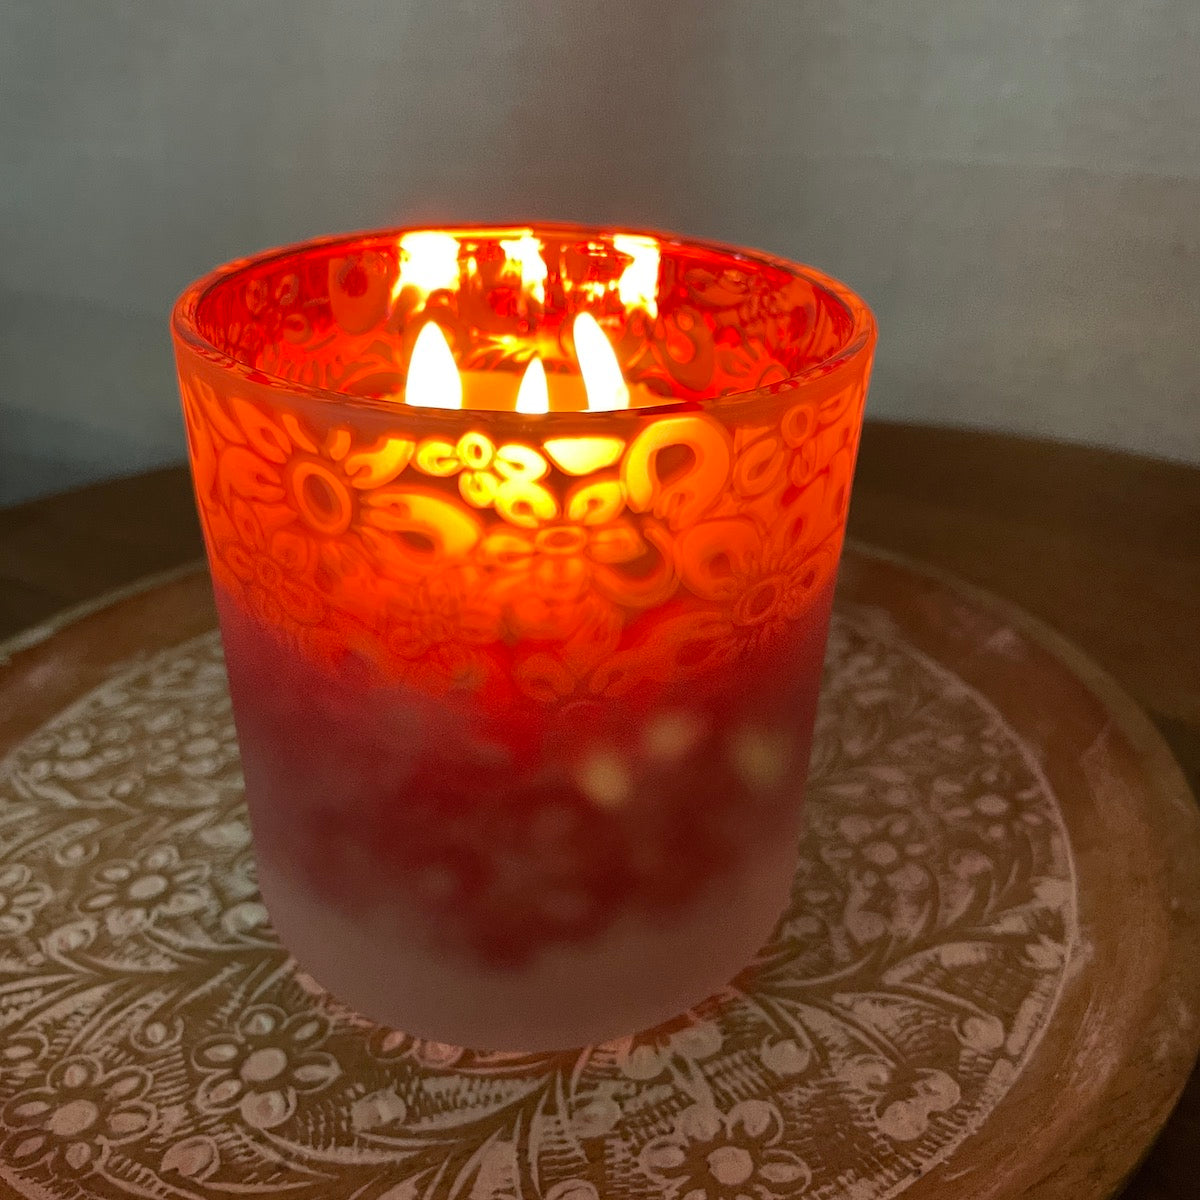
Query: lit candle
x: 434, y: 380
x: 523, y: 542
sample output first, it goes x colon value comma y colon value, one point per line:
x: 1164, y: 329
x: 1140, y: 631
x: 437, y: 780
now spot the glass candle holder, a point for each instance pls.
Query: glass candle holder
x: 523, y: 542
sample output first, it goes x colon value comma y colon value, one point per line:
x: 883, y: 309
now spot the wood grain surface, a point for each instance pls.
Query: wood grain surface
x: 1103, y: 547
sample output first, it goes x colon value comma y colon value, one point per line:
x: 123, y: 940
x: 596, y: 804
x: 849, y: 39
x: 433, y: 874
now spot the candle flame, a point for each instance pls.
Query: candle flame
x: 433, y: 379
x: 525, y: 253
x: 598, y: 364
x: 638, y: 285
x: 533, y: 396
x: 428, y: 262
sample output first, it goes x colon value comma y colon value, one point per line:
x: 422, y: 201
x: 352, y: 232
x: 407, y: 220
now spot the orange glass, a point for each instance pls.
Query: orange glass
x: 524, y: 543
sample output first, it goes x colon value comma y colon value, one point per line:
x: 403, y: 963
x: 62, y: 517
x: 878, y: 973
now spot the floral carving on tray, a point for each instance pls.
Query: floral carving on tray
x: 156, y: 1042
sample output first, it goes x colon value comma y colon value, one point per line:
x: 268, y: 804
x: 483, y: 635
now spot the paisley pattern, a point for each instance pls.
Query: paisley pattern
x: 157, y: 1042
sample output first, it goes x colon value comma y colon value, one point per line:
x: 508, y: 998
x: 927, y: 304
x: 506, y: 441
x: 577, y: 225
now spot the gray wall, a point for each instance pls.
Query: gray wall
x: 1013, y: 184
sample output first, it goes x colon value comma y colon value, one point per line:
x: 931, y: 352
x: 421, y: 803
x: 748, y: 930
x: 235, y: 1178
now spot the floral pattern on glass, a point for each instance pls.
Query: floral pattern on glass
x: 320, y: 532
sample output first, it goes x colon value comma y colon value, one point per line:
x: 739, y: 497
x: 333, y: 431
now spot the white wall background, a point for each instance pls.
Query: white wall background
x: 1013, y: 184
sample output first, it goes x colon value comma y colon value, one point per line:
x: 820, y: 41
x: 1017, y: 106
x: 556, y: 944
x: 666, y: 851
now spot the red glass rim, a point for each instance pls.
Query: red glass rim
x: 857, y: 344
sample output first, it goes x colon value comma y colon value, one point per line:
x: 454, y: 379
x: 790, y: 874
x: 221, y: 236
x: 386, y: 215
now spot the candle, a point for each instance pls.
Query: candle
x: 523, y: 543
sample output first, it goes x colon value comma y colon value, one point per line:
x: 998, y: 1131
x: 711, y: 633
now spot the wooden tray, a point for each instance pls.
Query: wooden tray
x: 987, y: 984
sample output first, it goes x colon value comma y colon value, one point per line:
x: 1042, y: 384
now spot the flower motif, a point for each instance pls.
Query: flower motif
x: 80, y: 757
x: 881, y: 849
x: 726, y: 1156
x: 260, y: 1068
x: 199, y: 748
x: 883, y: 859
x: 285, y: 509
x: 763, y: 581
x: 133, y: 893
x: 275, y: 460
x: 489, y: 476
x: 440, y: 628
x: 20, y: 898
x: 323, y: 478
x: 1000, y: 814
x: 73, y: 1121
x: 903, y: 1100
x: 273, y: 572
x: 547, y: 573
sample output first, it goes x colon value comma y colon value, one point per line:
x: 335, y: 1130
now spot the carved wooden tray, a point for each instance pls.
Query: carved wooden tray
x: 987, y: 984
